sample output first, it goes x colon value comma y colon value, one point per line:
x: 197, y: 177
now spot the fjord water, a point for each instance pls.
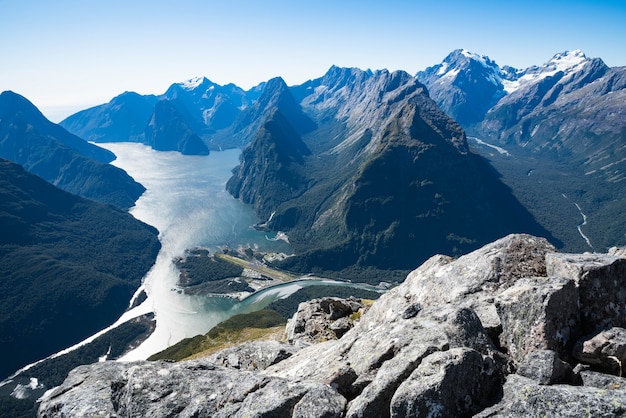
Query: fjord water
x: 187, y: 202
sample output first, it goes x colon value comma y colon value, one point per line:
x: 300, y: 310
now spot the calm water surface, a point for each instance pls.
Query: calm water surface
x: 187, y: 202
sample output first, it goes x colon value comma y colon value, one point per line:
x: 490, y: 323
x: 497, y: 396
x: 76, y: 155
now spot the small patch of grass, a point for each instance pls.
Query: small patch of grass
x: 265, y: 324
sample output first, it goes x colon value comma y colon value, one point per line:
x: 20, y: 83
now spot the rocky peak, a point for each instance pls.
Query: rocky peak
x: 337, y: 77
x: 362, y: 101
x: 466, y: 84
x: 196, y: 83
x: 275, y: 97
x: 461, y: 59
x: 421, y: 350
x: 168, y: 130
x: 275, y: 155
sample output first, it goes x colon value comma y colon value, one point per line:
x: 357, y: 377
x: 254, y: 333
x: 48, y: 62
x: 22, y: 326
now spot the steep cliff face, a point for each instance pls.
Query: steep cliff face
x: 167, y: 130
x: 272, y: 167
x: 63, y: 159
x: 389, y: 179
x: 511, y: 329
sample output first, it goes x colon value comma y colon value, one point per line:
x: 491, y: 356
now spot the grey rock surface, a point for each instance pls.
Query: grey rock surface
x: 421, y: 350
x: 606, y: 350
x: 451, y: 383
x: 185, y: 389
x: 253, y: 355
x: 538, y: 313
x: 546, y: 368
x: 322, y: 319
x: 472, y: 280
x: 602, y: 380
x: 522, y: 397
x: 601, y: 280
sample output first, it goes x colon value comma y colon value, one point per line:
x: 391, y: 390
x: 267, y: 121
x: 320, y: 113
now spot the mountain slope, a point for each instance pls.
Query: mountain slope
x: 49, y: 151
x: 273, y: 162
x: 123, y: 119
x: 571, y: 111
x: 15, y: 109
x: 167, y: 130
x: 68, y: 266
x: 562, y: 121
x: 390, y: 179
x: 466, y: 85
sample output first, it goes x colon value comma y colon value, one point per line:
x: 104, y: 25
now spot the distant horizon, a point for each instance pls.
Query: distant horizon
x: 70, y: 55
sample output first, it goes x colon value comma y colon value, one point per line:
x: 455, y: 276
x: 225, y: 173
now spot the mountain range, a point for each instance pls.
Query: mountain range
x: 315, y: 155
x: 368, y: 173
x: 562, y: 125
x: 191, y: 117
x: 384, y: 178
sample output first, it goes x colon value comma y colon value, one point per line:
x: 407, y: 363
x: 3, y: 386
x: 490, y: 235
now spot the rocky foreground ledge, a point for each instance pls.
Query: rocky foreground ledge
x: 512, y: 329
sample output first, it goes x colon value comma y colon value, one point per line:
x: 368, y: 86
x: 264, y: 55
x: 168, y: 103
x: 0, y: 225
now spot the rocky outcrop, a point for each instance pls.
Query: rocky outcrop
x: 421, y: 350
x: 323, y: 319
x: 523, y: 397
x: 188, y: 389
x: 253, y: 355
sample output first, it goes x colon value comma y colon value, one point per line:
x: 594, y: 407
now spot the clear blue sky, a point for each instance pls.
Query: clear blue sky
x: 66, y: 55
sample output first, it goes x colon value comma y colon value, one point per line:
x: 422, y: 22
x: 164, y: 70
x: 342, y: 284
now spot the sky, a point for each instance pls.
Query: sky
x: 68, y: 55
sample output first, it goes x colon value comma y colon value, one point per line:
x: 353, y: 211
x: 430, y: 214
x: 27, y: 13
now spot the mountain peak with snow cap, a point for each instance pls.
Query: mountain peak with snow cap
x: 194, y: 83
x: 567, y: 62
x: 478, y: 83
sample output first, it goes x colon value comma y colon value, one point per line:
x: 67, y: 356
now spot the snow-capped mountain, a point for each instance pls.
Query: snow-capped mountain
x: 552, y: 108
x: 557, y: 107
x: 196, y: 110
x: 563, y: 121
x: 466, y: 85
x: 567, y: 62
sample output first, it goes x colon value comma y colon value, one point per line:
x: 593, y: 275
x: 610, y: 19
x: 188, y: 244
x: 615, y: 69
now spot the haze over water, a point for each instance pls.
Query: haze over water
x: 187, y: 202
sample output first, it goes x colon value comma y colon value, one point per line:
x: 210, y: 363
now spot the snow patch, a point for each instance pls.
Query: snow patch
x: 443, y: 68
x: 192, y: 83
x: 450, y: 74
x: 566, y: 62
x: 495, y: 147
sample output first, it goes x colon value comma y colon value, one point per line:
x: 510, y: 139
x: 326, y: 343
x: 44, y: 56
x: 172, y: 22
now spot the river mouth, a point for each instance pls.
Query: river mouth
x: 187, y: 202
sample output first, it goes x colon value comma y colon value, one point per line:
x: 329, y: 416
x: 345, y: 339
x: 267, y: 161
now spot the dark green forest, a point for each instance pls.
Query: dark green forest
x: 68, y: 266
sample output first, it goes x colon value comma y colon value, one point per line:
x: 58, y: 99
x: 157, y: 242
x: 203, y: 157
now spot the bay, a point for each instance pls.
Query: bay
x: 186, y: 201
